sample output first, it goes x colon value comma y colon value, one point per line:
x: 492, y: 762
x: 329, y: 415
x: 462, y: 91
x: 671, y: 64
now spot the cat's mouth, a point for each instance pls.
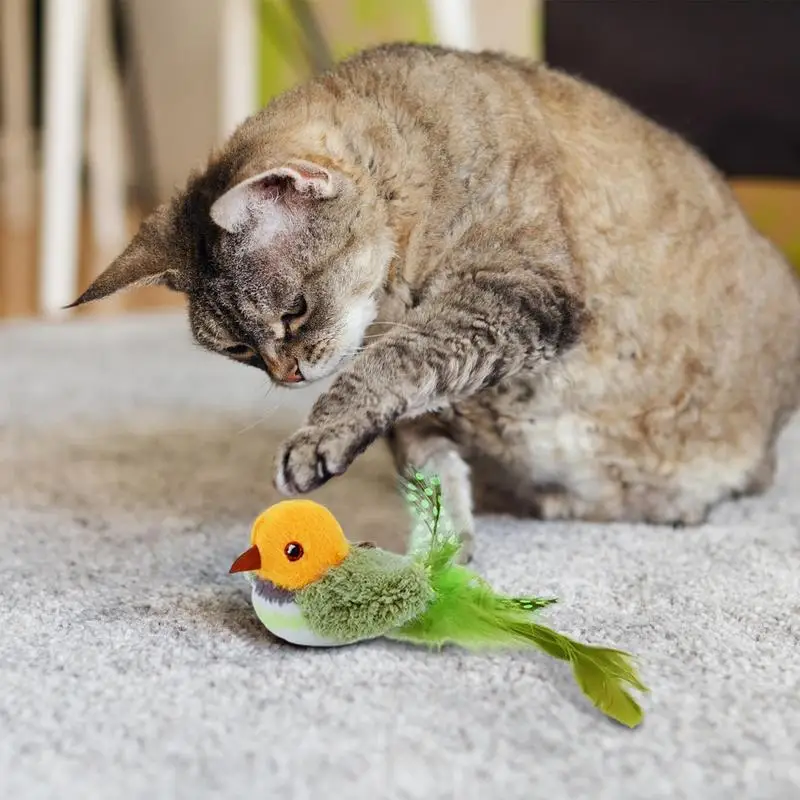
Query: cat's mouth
x: 297, y: 381
x: 316, y: 372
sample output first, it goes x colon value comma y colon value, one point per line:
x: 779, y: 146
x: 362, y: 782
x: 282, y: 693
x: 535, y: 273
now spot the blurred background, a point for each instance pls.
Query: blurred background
x: 106, y: 105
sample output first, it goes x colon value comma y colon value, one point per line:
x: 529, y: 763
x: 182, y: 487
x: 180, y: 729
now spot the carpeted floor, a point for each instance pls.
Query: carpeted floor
x: 131, y: 664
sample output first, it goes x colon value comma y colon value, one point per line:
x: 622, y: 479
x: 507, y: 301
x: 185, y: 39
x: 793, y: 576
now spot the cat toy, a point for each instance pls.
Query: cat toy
x: 312, y: 587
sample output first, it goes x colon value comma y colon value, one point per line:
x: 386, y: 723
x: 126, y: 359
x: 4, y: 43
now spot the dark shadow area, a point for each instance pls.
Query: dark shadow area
x: 723, y: 74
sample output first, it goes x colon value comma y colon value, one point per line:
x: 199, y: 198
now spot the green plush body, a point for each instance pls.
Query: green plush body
x: 368, y: 594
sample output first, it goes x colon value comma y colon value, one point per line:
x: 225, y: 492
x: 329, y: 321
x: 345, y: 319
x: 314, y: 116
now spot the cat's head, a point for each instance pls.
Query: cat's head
x: 281, y: 267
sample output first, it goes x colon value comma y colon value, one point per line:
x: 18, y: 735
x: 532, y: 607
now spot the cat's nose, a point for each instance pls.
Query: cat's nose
x: 286, y: 370
x: 293, y: 375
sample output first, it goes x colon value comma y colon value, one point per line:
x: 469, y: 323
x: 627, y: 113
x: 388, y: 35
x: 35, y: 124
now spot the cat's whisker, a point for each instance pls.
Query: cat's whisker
x: 354, y: 350
x: 260, y: 421
x: 396, y: 325
x: 265, y: 417
x: 379, y: 335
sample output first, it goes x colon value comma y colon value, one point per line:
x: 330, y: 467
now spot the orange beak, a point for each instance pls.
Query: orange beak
x: 247, y: 561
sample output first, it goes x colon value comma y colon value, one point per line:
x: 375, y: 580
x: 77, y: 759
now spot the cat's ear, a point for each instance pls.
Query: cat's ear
x: 153, y: 257
x: 272, y: 202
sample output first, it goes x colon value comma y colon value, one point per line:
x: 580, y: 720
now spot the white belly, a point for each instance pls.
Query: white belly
x: 285, y: 620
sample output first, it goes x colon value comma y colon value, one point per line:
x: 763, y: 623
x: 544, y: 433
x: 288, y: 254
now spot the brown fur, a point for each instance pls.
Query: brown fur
x: 568, y: 300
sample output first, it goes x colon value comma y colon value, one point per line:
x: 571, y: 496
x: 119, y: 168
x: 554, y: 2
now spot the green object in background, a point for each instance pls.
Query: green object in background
x: 793, y: 254
x: 284, y: 58
x: 280, y: 52
x: 765, y: 217
x: 371, y: 20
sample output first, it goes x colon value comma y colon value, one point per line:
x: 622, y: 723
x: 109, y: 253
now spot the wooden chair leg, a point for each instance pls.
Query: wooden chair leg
x: 17, y: 135
x: 17, y: 200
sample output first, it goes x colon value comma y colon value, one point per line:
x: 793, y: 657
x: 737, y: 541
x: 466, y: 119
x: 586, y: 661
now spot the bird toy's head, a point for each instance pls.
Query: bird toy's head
x: 294, y: 543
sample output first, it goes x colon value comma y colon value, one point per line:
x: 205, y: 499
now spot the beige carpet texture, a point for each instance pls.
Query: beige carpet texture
x: 132, y: 665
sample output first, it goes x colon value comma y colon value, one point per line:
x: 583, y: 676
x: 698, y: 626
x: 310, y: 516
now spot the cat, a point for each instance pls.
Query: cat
x: 518, y: 281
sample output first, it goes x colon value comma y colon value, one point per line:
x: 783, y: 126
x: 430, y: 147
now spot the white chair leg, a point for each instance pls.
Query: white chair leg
x: 17, y: 135
x: 65, y: 34
x: 105, y: 138
x: 509, y: 26
x: 454, y: 23
x: 238, y: 63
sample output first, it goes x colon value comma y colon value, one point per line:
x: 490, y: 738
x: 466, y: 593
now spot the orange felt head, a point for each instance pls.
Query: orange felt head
x: 294, y: 543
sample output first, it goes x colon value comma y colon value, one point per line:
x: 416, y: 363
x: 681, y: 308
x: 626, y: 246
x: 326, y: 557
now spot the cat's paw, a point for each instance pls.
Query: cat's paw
x: 314, y: 455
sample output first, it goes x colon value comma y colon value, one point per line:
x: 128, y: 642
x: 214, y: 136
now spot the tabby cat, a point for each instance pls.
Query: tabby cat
x: 519, y: 281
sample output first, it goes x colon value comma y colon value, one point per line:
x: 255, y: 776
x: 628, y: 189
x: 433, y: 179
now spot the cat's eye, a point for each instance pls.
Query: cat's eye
x: 298, y: 309
x: 239, y: 350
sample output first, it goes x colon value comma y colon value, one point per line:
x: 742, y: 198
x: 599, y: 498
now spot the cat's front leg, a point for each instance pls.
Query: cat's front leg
x: 423, y: 444
x: 482, y: 327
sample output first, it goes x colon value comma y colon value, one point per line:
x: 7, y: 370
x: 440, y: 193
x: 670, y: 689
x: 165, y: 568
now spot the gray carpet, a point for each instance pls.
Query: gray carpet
x: 131, y: 665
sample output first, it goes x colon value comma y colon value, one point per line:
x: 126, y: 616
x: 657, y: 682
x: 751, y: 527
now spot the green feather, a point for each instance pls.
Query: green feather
x: 467, y: 612
x: 434, y: 543
x: 601, y: 672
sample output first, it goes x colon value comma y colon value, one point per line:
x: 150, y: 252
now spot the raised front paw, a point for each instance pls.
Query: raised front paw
x: 313, y: 455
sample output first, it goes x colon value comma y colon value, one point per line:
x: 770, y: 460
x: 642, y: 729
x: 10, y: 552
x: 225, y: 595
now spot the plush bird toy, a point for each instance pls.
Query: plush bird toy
x: 312, y: 587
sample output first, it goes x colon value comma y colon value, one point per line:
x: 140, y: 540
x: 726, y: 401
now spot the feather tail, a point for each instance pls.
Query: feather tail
x: 469, y: 613
x: 602, y: 673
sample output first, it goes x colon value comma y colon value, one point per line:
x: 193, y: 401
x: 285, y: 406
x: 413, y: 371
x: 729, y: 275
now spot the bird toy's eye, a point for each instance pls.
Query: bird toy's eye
x: 293, y: 551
